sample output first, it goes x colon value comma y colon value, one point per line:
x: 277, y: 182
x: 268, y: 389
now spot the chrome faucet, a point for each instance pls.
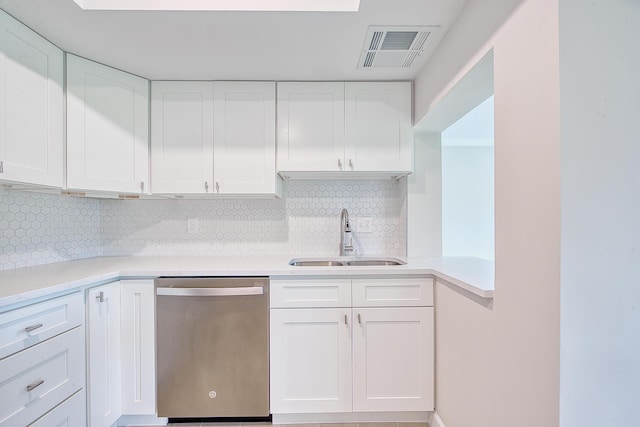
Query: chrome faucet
x: 346, y: 245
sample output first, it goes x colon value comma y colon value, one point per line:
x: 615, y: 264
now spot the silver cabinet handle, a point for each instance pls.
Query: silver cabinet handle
x: 33, y: 327
x: 359, y: 319
x: 339, y: 164
x: 350, y: 164
x: 206, y: 187
x: 345, y: 320
x: 100, y: 297
x: 1, y: 166
x: 142, y: 186
x: 35, y: 385
x: 210, y: 292
x: 217, y: 187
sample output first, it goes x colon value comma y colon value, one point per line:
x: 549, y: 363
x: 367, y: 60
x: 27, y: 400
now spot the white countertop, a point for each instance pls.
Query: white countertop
x: 471, y: 274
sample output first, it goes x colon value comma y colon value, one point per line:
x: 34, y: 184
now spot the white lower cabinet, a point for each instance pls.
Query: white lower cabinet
x: 374, y: 354
x: 121, y: 351
x: 103, y: 345
x: 310, y: 360
x: 137, y: 319
x: 42, y: 363
x: 393, y: 359
x: 70, y: 413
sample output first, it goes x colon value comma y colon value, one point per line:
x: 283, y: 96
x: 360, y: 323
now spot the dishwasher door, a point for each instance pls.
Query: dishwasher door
x: 212, y: 347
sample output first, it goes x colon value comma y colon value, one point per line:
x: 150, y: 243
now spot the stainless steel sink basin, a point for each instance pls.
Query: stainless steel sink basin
x: 314, y: 263
x: 345, y: 262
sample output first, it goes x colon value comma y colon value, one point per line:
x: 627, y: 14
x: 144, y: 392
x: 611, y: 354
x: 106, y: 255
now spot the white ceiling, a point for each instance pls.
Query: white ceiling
x: 232, y: 45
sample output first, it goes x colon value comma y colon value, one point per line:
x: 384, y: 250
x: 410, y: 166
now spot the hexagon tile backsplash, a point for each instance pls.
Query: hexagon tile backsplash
x: 40, y: 228
x: 44, y: 228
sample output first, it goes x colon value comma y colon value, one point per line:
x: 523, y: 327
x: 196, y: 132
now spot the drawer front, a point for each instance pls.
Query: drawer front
x: 30, y: 325
x: 70, y: 413
x: 310, y: 293
x: 37, y: 379
x: 390, y: 292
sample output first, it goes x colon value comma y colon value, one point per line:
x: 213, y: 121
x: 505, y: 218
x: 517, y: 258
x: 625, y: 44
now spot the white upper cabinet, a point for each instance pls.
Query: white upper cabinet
x: 107, y: 128
x: 31, y: 106
x: 182, y: 137
x: 379, y: 129
x: 311, y: 126
x: 355, y: 127
x: 213, y: 137
x: 244, y: 149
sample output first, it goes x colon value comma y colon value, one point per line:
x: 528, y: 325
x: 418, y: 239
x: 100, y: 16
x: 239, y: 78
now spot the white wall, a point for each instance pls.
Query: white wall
x: 600, y: 297
x: 497, y: 365
x: 468, y: 184
x: 467, y: 201
x: 424, y: 198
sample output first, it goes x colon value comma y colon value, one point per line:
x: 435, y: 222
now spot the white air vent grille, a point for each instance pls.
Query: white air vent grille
x: 398, y: 40
x: 394, y: 47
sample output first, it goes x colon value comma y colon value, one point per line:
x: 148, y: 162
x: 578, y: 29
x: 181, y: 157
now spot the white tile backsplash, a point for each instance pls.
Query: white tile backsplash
x: 44, y: 228
x: 305, y: 222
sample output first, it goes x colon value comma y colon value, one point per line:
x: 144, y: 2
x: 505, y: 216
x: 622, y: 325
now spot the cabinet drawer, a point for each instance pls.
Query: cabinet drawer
x: 310, y: 293
x: 27, y: 326
x: 70, y: 413
x: 40, y: 377
x: 392, y: 292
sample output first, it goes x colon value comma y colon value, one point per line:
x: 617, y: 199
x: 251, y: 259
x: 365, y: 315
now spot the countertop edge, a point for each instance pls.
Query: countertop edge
x: 112, y: 273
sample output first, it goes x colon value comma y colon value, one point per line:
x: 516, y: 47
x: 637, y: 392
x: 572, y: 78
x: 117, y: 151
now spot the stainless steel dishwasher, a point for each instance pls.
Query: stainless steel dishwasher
x: 212, y: 347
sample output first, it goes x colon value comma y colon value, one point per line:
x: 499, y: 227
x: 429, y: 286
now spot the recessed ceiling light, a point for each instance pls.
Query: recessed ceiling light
x: 224, y: 5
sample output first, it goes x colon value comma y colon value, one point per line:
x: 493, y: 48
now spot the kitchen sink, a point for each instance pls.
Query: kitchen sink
x: 345, y: 262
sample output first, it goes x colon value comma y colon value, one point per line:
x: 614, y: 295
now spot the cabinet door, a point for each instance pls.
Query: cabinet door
x: 378, y: 126
x: 393, y: 359
x: 311, y: 126
x: 310, y: 360
x: 107, y: 128
x: 103, y: 319
x: 182, y: 137
x: 244, y: 149
x: 138, y: 347
x: 31, y: 105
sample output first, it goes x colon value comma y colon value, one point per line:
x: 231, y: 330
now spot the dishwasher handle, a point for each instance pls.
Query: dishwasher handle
x: 210, y: 292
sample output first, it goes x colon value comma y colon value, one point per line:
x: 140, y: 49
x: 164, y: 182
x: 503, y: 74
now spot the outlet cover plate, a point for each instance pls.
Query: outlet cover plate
x: 192, y: 225
x: 365, y: 224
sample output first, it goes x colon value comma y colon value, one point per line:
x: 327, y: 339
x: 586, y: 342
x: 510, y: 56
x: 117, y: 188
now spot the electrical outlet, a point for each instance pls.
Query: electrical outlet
x: 192, y: 225
x: 365, y: 224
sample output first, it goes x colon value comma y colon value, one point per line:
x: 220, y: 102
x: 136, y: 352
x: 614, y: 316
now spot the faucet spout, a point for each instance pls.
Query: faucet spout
x: 346, y: 245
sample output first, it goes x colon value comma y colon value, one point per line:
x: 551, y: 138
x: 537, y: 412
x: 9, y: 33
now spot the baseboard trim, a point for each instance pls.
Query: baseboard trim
x: 435, y: 420
x: 141, y: 420
x: 351, y: 417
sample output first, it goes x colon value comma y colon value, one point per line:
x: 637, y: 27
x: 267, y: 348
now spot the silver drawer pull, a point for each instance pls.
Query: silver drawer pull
x: 345, y: 320
x: 34, y: 385
x: 33, y: 327
x: 359, y: 319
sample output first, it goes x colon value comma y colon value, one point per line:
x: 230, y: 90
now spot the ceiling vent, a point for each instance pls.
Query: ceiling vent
x: 394, y: 47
